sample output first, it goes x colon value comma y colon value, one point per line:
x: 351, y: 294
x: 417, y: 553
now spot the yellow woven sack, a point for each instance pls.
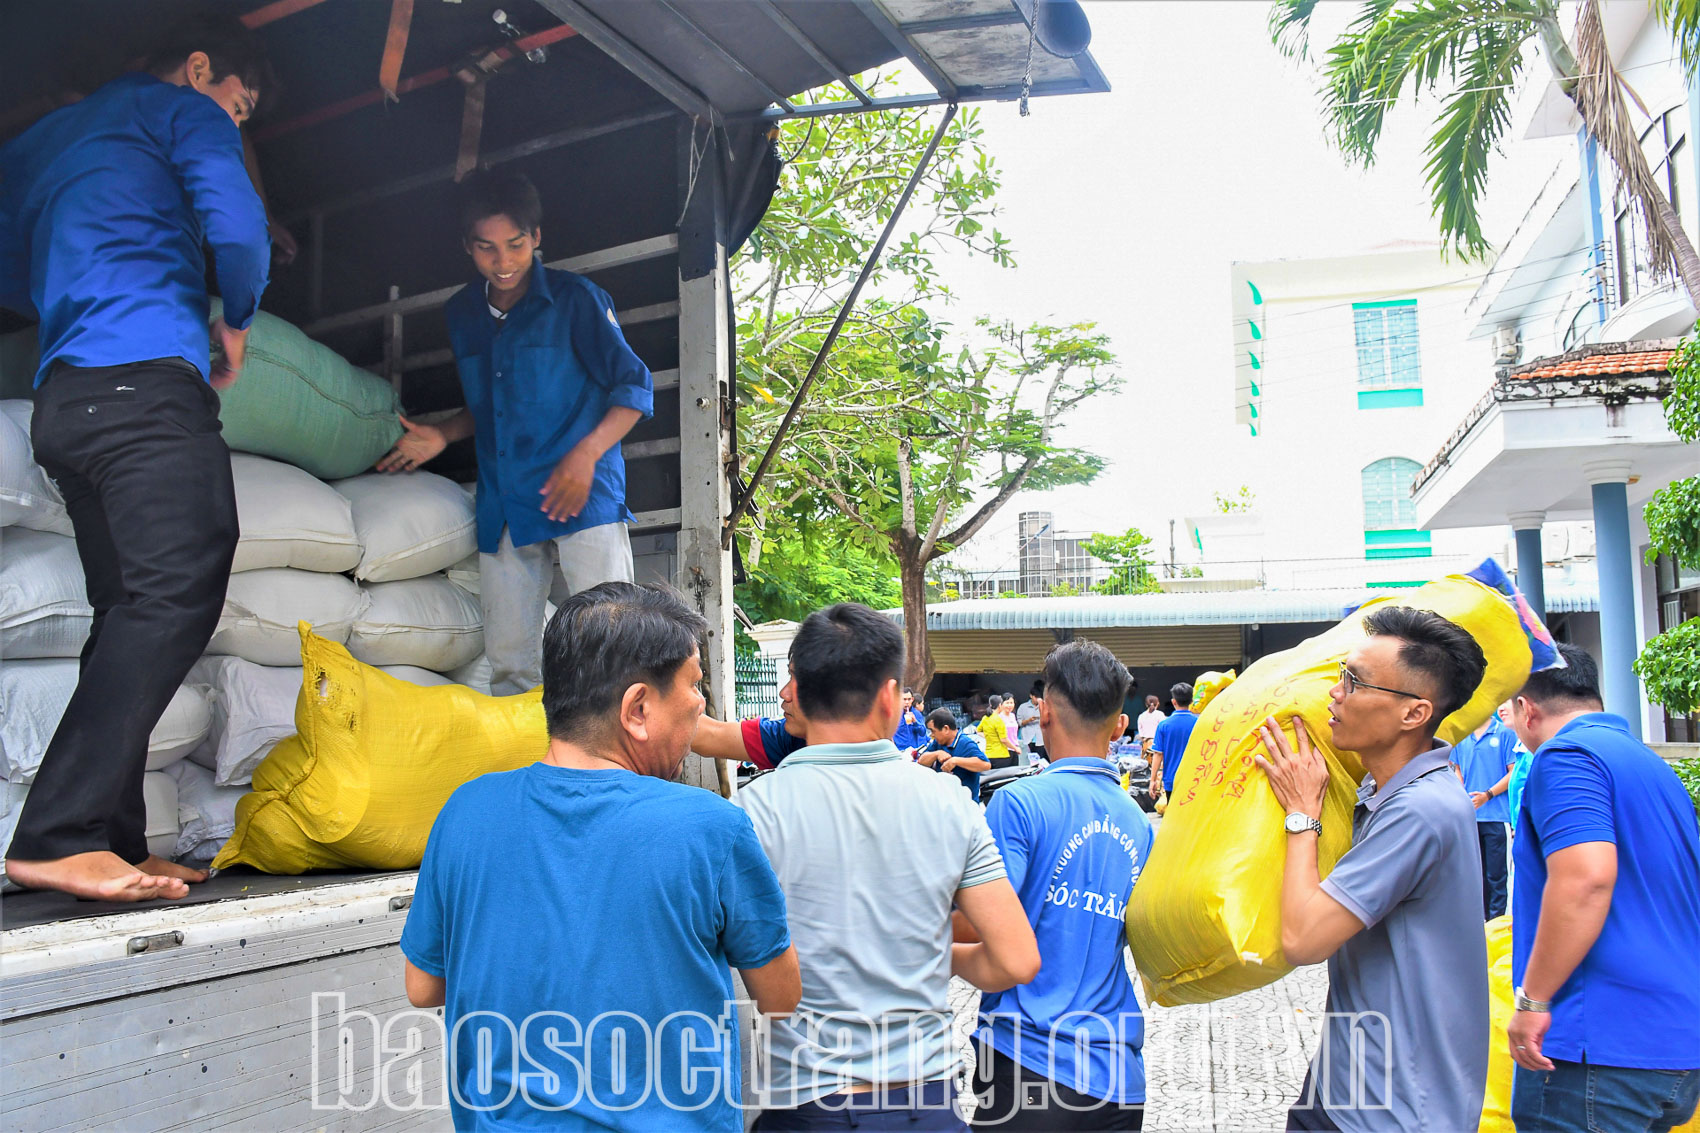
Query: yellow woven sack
x: 1496, y: 1102
x: 1205, y: 918
x: 1205, y: 688
x: 374, y: 760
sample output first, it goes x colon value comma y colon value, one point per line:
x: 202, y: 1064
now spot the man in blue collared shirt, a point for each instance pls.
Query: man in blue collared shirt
x: 551, y: 389
x: 954, y: 752
x: 105, y: 206
x: 1606, y: 919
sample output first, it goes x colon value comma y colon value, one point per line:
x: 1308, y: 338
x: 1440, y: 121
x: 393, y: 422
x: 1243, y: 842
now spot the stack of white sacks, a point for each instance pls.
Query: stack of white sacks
x: 386, y: 565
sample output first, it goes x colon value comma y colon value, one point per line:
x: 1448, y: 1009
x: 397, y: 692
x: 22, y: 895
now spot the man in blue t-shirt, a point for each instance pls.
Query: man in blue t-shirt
x: 550, y: 918
x: 954, y: 752
x: 1063, y: 1050
x: 1483, y: 761
x: 1169, y: 744
x: 1607, y: 919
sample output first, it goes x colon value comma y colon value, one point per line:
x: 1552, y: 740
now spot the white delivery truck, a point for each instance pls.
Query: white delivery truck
x: 277, y: 1002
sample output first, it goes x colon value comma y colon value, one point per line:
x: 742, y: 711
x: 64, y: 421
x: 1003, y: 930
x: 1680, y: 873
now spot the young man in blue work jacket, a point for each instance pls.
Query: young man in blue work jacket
x: 105, y: 206
x: 551, y: 389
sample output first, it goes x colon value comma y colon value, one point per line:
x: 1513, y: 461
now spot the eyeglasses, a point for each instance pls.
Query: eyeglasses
x: 1353, y: 684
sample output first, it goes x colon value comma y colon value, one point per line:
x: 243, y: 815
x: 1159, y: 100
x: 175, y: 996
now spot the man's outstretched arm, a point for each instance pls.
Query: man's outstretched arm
x: 719, y: 739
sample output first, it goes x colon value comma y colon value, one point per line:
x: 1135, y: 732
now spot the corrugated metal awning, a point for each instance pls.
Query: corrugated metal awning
x: 750, y: 59
x: 1224, y: 608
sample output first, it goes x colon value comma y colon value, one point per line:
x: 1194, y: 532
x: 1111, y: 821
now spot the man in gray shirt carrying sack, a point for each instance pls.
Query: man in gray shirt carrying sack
x: 872, y: 850
x: 1405, y: 1038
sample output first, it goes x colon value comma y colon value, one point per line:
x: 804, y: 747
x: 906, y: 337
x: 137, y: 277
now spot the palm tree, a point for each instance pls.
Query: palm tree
x: 1475, y: 49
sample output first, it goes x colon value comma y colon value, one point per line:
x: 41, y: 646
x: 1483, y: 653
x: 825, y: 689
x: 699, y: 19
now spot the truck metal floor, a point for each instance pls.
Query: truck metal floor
x: 20, y: 910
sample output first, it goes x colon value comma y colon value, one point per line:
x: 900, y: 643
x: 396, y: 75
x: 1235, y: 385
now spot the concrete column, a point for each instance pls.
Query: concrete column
x: 1526, y: 526
x: 1615, y: 557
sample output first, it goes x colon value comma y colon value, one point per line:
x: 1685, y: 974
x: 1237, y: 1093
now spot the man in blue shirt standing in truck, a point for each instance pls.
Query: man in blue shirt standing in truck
x: 105, y: 207
x: 551, y: 389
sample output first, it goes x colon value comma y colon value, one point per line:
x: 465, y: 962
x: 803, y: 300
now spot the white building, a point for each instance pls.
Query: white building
x: 1350, y: 372
x: 1566, y: 423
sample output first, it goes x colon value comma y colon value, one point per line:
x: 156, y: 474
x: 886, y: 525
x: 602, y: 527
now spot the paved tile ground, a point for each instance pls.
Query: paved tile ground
x: 1227, y: 1067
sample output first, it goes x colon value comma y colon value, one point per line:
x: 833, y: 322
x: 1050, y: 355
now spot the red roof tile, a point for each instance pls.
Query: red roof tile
x: 1599, y: 365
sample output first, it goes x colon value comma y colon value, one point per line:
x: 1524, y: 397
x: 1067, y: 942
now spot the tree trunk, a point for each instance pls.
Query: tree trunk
x: 918, y: 672
x: 1687, y: 260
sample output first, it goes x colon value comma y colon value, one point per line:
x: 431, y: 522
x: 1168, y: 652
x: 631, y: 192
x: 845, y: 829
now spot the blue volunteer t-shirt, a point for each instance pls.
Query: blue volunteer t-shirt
x: 1484, y: 760
x: 1171, y: 739
x: 963, y: 747
x: 568, y: 932
x: 1073, y: 843
x: 767, y: 743
x: 1634, y: 1000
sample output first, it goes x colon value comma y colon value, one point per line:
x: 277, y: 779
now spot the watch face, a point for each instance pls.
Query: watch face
x: 1297, y: 823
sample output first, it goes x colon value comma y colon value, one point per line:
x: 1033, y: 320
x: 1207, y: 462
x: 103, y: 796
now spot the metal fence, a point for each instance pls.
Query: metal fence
x: 757, y: 685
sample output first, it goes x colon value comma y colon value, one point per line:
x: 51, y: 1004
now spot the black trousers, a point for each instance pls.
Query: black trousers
x: 1492, y: 838
x: 1014, y: 1099
x: 137, y: 454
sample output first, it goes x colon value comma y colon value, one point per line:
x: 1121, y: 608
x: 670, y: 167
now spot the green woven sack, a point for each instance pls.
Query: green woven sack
x: 301, y: 402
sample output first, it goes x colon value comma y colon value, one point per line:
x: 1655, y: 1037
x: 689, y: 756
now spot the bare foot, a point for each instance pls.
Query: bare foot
x: 99, y: 875
x: 159, y: 867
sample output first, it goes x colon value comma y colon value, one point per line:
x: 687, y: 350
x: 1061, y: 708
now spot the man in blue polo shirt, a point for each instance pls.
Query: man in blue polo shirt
x: 1483, y: 761
x: 954, y: 752
x: 1606, y: 1033
x: 551, y: 389
x: 1169, y: 744
x: 1062, y: 1051
x: 911, y: 726
x: 105, y: 208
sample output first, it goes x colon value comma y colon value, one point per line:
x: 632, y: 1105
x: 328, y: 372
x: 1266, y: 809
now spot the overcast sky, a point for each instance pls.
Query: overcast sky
x: 1128, y: 208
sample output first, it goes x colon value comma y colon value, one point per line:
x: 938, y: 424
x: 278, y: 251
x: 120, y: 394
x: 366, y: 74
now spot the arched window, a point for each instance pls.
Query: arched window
x: 1390, y: 515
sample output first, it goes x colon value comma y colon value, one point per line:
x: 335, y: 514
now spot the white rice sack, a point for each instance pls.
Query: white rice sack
x: 12, y: 797
x: 44, y: 611
x: 409, y: 525
x: 475, y: 676
x: 159, y: 791
x: 429, y: 622
x: 253, y: 707
x: 206, y: 813
x: 414, y: 675
x: 28, y: 498
x: 33, y: 696
x: 262, y: 607
x: 464, y: 574
x: 290, y: 519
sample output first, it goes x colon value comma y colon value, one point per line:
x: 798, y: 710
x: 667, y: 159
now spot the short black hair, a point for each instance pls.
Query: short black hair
x: 1088, y: 678
x: 602, y: 641
x: 1578, y: 683
x: 499, y: 192
x: 231, y: 46
x: 840, y: 659
x: 942, y: 718
x: 1435, y: 648
x: 1037, y: 689
x: 995, y: 702
x: 1181, y: 694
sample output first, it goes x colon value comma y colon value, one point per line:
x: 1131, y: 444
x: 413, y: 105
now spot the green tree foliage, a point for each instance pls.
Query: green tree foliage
x: 916, y: 432
x: 1233, y: 503
x: 1471, y: 54
x: 806, y: 561
x: 1130, y: 564
x: 1669, y: 666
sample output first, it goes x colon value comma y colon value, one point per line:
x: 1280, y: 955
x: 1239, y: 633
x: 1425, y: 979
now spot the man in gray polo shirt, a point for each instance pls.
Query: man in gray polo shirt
x: 1405, y: 1042
x: 872, y: 850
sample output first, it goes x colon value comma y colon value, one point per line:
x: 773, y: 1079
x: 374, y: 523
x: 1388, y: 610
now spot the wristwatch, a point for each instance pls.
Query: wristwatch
x: 1524, y: 1003
x: 1298, y: 823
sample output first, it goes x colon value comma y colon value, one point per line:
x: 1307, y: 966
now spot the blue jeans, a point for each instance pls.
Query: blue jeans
x: 1492, y: 838
x: 1602, y: 1099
